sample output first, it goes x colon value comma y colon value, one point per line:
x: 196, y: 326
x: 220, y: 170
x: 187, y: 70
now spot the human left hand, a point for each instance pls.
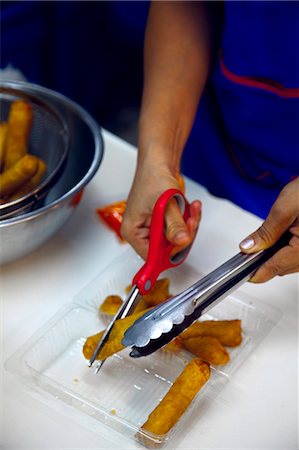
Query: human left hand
x: 284, y: 215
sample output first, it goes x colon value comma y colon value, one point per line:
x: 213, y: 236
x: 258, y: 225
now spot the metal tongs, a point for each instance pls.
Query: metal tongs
x: 159, y: 259
x: 166, y: 321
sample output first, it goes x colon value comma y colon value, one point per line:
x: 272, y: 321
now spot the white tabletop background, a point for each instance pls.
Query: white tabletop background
x: 259, y: 407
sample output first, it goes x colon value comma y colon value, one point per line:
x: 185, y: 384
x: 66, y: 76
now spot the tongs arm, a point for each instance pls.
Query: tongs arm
x: 160, y: 325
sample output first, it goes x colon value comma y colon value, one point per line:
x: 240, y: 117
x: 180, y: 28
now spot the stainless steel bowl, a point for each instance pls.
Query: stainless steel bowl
x: 21, y: 235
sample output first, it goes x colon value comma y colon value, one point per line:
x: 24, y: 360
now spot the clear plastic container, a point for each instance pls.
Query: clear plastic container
x: 126, y: 390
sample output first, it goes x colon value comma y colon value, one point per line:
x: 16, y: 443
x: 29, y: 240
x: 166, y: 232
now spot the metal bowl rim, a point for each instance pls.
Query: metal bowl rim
x: 98, y: 151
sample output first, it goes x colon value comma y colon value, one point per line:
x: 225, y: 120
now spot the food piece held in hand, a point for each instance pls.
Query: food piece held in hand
x: 177, y: 399
x: 19, y: 129
x: 207, y: 348
x: 17, y: 175
x: 3, y: 133
x: 112, y: 216
x: 111, y: 305
x: 228, y: 332
x: 114, y: 344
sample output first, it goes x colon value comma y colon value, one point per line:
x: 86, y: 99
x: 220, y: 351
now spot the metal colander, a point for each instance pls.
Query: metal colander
x: 49, y: 140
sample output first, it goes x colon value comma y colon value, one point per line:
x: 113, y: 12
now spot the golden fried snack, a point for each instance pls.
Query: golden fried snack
x: 207, y: 348
x: 228, y: 332
x: 175, y: 345
x: 3, y: 133
x: 113, y: 345
x: 142, y: 306
x: 178, y: 398
x: 33, y: 182
x: 19, y: 129
x: 158, y: 294
x: 17, y: 175
x: 111, y: 304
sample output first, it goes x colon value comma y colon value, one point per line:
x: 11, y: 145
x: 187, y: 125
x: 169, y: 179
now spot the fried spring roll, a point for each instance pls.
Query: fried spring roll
x: 142, y: 306
x: 228, y: 332
x: 17, y: 175
x: 33, y: 182
x: 178, y: 398
x: 175, y: 345
x: 19, y: 129
x: 207, y: 348
x: 158, y: 294
x: 111, y: 305
x: 3, y: 134
x: 113, y: 345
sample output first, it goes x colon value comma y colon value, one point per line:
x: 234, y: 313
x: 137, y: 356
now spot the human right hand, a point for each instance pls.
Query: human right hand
x: 151, y: 180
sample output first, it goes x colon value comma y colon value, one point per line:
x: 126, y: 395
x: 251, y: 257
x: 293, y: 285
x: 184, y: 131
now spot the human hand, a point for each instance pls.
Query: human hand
x: 284, y: 215
x: 150, y: 181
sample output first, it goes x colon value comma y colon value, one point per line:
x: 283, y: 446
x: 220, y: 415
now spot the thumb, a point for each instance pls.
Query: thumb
x: 282, y: 215
x: 176, y: 229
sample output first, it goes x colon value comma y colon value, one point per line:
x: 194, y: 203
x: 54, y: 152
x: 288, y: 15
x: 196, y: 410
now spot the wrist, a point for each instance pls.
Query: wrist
x: 160, y: 145
x: 159, y: 157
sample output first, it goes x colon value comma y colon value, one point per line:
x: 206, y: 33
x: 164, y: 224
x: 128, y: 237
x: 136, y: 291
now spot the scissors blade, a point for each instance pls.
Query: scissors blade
x: 126, y: 309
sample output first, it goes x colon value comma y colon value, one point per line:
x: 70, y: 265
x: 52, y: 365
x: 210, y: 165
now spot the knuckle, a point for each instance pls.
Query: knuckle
x: 294, y: 243
x: 265, y: 234
x: 173, y: 228
x: 276, y: 266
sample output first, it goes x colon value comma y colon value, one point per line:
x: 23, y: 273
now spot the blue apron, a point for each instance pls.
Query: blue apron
x: 244, y: 145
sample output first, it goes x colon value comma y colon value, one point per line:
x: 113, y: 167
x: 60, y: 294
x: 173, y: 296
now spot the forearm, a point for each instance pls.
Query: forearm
x: 176, y: 66
x: 177, y: 60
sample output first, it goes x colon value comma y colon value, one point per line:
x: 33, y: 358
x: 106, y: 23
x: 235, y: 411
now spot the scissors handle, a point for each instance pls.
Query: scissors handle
x: 159, y: 255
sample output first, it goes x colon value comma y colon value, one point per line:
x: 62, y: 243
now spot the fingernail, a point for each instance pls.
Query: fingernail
x: 181, y: 236
x: 247, y: 243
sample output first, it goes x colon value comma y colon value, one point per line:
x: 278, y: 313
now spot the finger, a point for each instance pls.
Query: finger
x: 282, y: 215
x: 136, y: 233
x: 196, y: 210
x: 141, y: 243
x: 195, y: 217
x: 285, y: 261
x: 139, y: 240
x: 192, y: 224
x: 178, y: 231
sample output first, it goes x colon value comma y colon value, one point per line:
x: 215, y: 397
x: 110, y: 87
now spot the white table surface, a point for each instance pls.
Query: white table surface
x: 259, y: 407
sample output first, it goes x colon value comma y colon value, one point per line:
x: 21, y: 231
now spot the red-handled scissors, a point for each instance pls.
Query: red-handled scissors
x: 159, y: 259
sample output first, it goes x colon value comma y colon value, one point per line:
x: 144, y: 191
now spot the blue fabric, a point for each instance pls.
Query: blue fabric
x: 23, y: 37
x: 89, y: 51
x: 244, y: 144
x: 262, y: 38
